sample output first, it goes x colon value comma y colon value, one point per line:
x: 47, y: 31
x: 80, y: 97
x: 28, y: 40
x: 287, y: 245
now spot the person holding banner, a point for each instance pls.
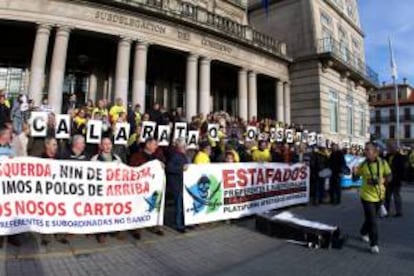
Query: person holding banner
x: 148, y: 153
x: 174, y: 169
x: 6, y: 150
x: 338, y: 167
x: 106, y: 155
x: 50, y: 151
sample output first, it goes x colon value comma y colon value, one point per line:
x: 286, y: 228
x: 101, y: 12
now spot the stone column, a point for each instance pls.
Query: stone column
x: 252, y: 94
x: 243, y: 94
x: 93, y: 87
x: 122, y: 70
x: 57, y: 71
x: 204, y: 101
x: 279, y: 101
x: 286, y: 92
x: 140, y: 74
x: 191, y: 87
x: 37, y: 68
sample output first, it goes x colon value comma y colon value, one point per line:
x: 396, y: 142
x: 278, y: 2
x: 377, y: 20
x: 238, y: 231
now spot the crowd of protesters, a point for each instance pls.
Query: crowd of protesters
x: 327, y: 162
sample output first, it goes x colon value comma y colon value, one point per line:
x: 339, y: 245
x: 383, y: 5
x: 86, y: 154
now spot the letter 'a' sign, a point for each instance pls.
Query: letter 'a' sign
x: 164, y: 132
x: 121, y: 134
x: 94, y: 132
x: 213, y: 132
x: 62, y: 126
x: 38, y: 124
x: 192, y: 141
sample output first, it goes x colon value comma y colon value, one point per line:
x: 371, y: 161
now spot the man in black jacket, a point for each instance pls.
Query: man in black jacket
x: 397, y: 164
x: 338, y: 165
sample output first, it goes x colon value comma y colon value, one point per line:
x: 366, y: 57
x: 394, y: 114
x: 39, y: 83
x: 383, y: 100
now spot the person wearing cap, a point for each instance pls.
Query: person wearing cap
x: 203, y: 154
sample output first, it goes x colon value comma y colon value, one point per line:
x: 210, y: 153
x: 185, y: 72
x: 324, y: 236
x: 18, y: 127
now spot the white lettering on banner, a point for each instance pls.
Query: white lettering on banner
x: 251, y: 133
x: 223, y: 191
x: 38, y: 124
x: 164, y: 135
x: 62, y: 126
x: 121, y: 134
x: 212, y: 130
x: 94, y: 131
x: 147, y: 130
x: 56, y: 196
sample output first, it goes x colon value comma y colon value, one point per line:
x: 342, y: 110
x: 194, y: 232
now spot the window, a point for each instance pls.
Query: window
x: 388, y: 96
x: 407, y: 131
x: 343, y: 43
x: 362, y: 120
x: 392, y: 114
x: 12, y: 80
x: 349, y: 115
x: 392, y: 132
x: 326, y: 20
x: 378, y: 131
x: 333, y: 107
x: 377, y: 115
x: 407, y: 113
x: 379, y: 97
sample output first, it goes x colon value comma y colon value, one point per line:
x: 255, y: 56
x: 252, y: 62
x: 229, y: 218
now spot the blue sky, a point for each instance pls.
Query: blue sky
x: 381, y: 19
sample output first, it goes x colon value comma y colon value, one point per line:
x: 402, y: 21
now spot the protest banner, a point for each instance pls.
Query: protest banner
x: 223, y: 191
x: 56, y: 196
x: 352, y: 161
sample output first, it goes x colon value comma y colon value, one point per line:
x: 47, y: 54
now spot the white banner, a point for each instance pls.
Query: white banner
x: 232, y: 190
x: 54, y: 196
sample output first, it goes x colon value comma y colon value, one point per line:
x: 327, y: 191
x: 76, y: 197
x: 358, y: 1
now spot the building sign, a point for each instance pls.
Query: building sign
x: 130, y: 21
x: 215, y: 45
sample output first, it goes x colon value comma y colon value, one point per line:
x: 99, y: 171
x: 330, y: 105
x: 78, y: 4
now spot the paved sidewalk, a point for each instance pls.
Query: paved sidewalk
x: 227, y: 249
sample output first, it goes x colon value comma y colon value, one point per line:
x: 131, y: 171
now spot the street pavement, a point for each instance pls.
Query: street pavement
x: 222, y: 248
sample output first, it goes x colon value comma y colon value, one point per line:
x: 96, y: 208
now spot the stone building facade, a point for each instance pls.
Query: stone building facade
x: 329, y: 78
x: 383, y: 113
x: 201, y: 55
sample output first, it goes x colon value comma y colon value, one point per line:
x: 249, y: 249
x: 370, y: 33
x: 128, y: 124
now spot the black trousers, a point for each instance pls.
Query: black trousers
x: 370, y: 226
x: 393, y: 191
x: 335, y: 189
